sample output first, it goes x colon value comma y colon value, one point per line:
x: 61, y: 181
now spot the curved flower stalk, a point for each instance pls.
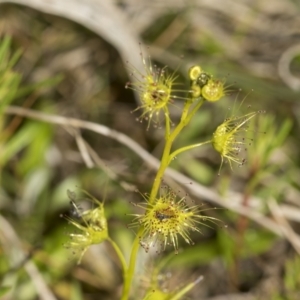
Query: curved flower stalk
x: 91, y: 227
x: 167, y: 219
x: 229, y: 138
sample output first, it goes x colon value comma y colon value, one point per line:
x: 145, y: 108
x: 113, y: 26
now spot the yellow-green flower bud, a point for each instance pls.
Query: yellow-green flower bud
x: 155, y: 88
x: 91, y: 227
x: 166, y: 220
x: 227, y: 139
x: 213, y: 90
x: 195, y: 91
x: 194, y: 72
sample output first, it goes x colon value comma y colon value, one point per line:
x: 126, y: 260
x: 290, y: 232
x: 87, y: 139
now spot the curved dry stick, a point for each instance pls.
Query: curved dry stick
x: 232, y: 201
x: 102, y: 17
x: 91, y: 159
x: 286, y: 228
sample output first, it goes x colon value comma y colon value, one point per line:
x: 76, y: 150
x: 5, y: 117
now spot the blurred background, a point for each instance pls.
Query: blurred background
x: 73, y: 63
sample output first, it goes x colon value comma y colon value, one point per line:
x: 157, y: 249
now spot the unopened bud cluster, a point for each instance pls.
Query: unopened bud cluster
x: 204, y: 85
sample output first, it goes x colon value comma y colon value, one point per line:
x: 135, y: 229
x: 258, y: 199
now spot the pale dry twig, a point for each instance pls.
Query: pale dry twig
x: 232, y: 201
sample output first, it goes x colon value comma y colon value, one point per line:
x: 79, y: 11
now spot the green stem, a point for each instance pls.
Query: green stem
x: 120, y: 256
x: 180, y: 150
x: 185, y: 119
x: 168, y: 122
x: 131, y: 268
x: 186, y: 108
x: 169, y: 142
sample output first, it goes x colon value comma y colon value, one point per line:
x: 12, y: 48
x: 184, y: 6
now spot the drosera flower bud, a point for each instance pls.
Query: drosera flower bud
x: 213, y: 90
x: 203, y: 84
x: 156, y: 89
x: 167, y: 219
x: 90, y: 225
x: 194, y: 73
x: 203, y: 79
x: 229, y: 138
x: 195, y: 91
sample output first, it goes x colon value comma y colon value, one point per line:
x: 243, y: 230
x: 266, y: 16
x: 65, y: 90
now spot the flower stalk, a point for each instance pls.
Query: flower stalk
x: 165, y: 161
x: 174, y: 154
x: 214, y: 91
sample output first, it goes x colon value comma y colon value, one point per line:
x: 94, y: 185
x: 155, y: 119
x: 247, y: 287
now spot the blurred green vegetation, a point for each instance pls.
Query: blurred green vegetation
x: 39, y: 161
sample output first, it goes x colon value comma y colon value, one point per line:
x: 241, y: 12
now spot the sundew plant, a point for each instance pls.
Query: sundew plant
x: 166, y: 219
x: 163, y: 219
